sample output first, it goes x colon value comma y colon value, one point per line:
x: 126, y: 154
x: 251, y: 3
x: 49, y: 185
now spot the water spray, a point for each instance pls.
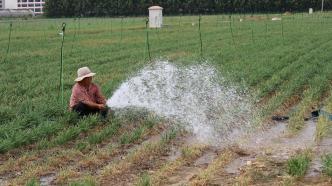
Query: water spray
x: 196, y: 96
x: 9, y: 39
x: 62, y: 33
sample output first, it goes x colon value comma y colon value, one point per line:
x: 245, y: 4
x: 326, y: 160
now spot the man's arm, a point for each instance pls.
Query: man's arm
x: 99, y: 96
x: 94, y: 105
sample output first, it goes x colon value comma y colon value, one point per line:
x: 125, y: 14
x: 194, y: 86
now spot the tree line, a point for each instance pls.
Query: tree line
x: 75, y: 8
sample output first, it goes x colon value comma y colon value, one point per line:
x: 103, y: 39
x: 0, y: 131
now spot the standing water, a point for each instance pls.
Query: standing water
x: 195, y: 96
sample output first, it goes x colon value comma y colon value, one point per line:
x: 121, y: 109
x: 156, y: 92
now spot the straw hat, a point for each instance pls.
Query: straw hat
x: 83, y: 73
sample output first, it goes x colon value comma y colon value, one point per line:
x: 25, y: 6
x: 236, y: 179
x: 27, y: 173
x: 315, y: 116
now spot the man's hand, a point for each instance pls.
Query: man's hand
x: 101, y: 106
x: 95, y: 105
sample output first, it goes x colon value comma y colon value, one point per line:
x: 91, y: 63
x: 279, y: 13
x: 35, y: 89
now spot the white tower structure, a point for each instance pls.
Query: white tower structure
x: 155, y: 17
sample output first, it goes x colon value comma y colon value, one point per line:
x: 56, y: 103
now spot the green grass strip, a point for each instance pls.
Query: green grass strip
x: 110, y: 130
x: 71, y: 133
x: 298, y: 165
x: 133, y: 136
x: 327, y: 164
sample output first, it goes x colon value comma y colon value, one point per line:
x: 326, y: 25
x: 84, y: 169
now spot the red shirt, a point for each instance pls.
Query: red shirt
x: 80, y: 93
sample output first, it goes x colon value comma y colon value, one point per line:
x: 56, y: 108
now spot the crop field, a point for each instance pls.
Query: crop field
x: 285, y: 66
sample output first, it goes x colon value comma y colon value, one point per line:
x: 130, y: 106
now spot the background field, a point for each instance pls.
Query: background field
x: 283, y: 63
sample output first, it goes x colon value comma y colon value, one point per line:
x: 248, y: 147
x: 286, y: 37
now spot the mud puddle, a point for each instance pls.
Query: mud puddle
x: 174, y: 154
x: 276, y: 141
x: 186, y: 173
x: 316, y: 165
x: 234, y: 168
x: 206, y: 159
x: 3, y: 182
x: 183, y: 176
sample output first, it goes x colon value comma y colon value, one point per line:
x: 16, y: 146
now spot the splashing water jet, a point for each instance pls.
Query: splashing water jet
x: 195, y: 96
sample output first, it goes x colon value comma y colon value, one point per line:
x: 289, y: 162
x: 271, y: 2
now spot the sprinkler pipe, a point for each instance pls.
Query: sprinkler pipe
x: 9, y: 39
x: 62, y: 33
x: 147, y: 39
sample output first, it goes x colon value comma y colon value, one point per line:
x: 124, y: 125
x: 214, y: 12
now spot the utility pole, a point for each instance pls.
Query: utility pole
x: 322, y: 5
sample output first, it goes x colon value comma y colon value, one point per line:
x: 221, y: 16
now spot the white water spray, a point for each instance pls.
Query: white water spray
x: 193, y: 95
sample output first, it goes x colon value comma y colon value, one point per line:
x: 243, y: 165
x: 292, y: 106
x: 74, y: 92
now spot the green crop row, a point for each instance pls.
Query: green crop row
x: 70, y: 133
x: 272, y: 61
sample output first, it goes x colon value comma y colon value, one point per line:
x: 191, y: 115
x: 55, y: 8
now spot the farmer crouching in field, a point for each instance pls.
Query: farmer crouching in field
x: 86, y: 97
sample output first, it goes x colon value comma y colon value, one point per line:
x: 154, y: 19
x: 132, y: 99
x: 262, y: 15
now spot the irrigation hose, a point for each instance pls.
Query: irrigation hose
x: 9, y: 39
x: 61, y: 62
x: 314, y: 114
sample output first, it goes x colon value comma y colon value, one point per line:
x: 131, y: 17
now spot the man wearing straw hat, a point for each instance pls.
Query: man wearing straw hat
x: 86, y: 97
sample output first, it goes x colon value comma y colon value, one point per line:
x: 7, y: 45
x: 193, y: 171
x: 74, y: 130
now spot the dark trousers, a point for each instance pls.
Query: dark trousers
x: 84, y: 110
